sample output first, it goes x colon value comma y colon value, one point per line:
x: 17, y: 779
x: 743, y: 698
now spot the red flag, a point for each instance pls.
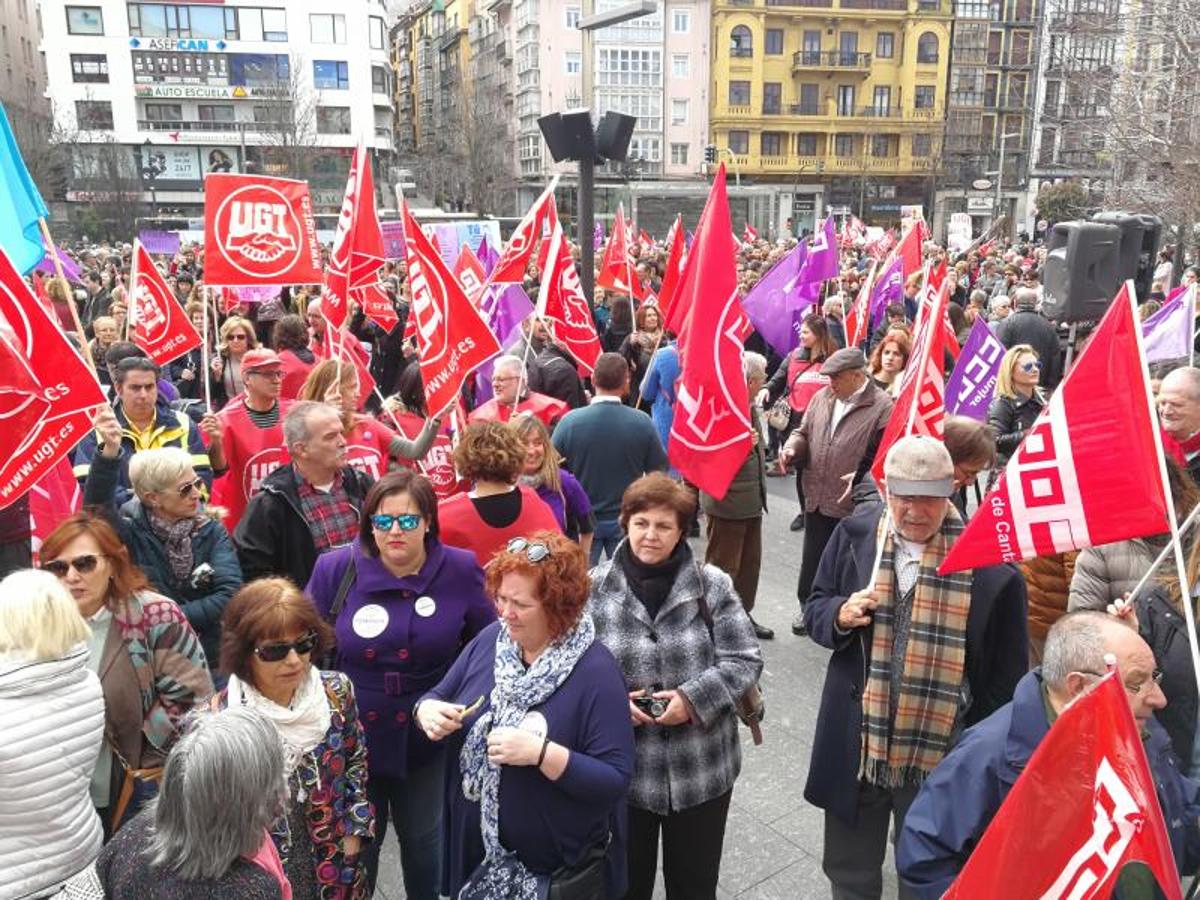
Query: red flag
x: 749, y: 235
x: 1084, y: 806
x: 1069, y: 484
x: 470, y: 273
x: 670, y: 281
x: 616, y: 270
x: 519, y: 250
x: 562, y: 304
x: 921, y: 401
x: 860, y: 313
x: 711, y: 433
x: 51, y: 500
x: 377, y: 306
x: 452, y: 337
x: 909, y: 249
x: 352, y: 353
x: 20, y: 393
x: 357, y: 254
x: 644, y: 238
x: 258, y: 231
x: 66, y: 390
x: 157, y: 322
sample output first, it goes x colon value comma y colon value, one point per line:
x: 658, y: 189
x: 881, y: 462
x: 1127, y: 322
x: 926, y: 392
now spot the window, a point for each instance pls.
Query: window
x: 679, y: 154
x: 927, y: 48
x: 772, y: 98
x: 995, y: 45
x: 331, y: 75
x: 376, y: 31
x: 264, y: 24
x: 94, y: 115
x: 772, y: 143
x: 924, y: 96
x: 89, y: 68
x: 379, y: 80
x: 848, y: 48
x: 843, y: 145
x: 739, y: 142
x: 171, y: 20
x: 806, y: 145
x: 1018, y: 51
x: 573, y: 16
x: 165, y: 113
x: 739, y: 93
x: 216, y: 112
x: 922, y: 145
x: 333, y: 120
x: 681, y: 65
x: 327, y: 28
x: 885, y: 45
x: 810, y: 102
x: 574, y: 62
x: 845, y: 100
x: 741, y: 42
x: 85, y: 20
x: 679, y: 112
x: 773, y: 45
x: 681, y: 21
x: 628, y: 68
x: 881, y: 145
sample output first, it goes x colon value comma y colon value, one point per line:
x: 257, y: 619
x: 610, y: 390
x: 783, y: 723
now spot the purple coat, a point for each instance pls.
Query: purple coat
x: 397, y: 638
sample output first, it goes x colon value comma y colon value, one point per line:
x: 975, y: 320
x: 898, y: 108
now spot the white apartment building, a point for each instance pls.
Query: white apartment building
x: 175, y: 90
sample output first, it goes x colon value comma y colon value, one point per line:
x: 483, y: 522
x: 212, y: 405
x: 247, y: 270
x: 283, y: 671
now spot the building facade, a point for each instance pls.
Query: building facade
x: 22, y: 67
x: 843, y: 100
x: 150, y: 97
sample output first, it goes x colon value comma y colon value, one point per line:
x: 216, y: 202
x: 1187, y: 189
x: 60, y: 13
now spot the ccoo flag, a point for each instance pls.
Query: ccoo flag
x: 973, y: 381
x: 20, y: 204
x: 1069, y: 483
x: 767, y: 303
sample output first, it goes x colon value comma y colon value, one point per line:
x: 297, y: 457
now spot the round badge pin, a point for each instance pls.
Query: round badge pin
x: 370, y: 621
x: 425, y: 607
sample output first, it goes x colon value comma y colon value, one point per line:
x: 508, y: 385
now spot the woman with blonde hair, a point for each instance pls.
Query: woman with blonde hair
x: 52, y: 718
x: 236, y: 337
x: 557, y: 487
x: 1018, y: 401
x: 369, y: 443
x: 889, y: 359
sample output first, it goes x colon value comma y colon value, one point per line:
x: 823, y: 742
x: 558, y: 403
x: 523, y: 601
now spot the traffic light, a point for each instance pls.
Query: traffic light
x: 710, y: 154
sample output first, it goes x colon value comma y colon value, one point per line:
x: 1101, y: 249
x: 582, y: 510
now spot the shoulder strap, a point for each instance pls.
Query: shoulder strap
x: 706, y: 613
x: 343, y: 591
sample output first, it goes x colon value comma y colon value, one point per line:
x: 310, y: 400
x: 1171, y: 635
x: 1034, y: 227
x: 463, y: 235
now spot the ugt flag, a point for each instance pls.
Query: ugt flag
x: 20, y: 204
x: 358, y: 252
x: 159, y: 326
x: 41, y: 420
x: 562, y: 305
x: 711, y: 433
x: 535, y: 226
x: 973, y: 381
x: 1069, y: 484
x: 1084, y: 807
x: 259, y: 231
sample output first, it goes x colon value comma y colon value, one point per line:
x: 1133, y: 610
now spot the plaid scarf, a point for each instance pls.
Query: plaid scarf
x: 905, y: 751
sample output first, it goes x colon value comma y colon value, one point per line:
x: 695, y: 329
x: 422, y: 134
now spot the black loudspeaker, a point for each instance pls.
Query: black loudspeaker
x: 555, y: 136
x: 1139, y: 245
x: 1082, y: 271
x: 613, y: 134
x: 580, y: 133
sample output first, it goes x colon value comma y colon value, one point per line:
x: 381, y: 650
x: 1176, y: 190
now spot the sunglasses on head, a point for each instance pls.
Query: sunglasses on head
x: 1031, y: 366
x: 535, y: 551
x: 406, y: 521
x: 84, y: 565
x: 279, y: 650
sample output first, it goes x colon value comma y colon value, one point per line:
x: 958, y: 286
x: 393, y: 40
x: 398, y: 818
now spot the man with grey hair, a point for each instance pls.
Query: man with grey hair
x: 1179, y: 406
x: 834, y: 311
x: 917, y: 656
x: 963, y: 795
x: 1026, y: 325
x: 306, y: 507
x: 511, y: 395
x: 734, y: 522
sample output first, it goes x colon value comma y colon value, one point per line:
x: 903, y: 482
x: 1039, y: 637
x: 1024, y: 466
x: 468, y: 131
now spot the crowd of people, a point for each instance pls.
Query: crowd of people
x: 296, y: 608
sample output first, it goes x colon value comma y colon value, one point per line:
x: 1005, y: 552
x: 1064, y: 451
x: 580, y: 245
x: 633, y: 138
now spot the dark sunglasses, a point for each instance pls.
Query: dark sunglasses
x: 185, y: 490
x: 279, y: 651
x: 237, y: 337
x: 535, y: 551
x: 406, y: 521
x: 84, y: 565
x: 1031, y: 366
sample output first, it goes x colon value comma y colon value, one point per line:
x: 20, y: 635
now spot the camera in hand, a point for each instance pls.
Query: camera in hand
x: 202, y: 577
x: 651, y: 706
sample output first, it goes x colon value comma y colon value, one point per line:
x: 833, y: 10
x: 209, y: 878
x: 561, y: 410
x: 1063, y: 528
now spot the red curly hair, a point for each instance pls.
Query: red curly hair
x: 560, y: 580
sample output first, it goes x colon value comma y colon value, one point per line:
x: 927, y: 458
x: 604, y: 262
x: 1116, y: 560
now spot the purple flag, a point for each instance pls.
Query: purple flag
x: 598, y: 236
x: 973, y: 381
x: 159, y: 241
x: 888, y: 288
x: 393, y: 239
x: 504, y: 307
x: 822, y: 262
x: 488, y: 256
x: 768, y: 304
x: 70, y: 269
x: 1168, y: 334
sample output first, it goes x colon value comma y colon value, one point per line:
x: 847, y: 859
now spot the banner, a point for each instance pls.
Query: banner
x: 972, y: 384
x: 65, y: 390
x: 259, y: 231
x: 163, y: 242
x: 393, y: 239
x: 157, y: 321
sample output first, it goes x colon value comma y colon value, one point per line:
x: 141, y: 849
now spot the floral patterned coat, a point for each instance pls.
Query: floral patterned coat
x: 333, y: 779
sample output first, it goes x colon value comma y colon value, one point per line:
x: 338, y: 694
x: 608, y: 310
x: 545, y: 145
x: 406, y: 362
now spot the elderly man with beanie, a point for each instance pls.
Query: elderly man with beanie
x: 1026, y: 325
x: 917, y: 657
x: 833, y: 449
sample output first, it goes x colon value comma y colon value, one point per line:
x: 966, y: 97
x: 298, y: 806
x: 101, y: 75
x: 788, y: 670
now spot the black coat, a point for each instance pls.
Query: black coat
x: 997, y: 655
x: 554, y: 374
x: 1009, y: 419
x: 1165, y: 630
x: 1028, y: 326
x: 273, y: 538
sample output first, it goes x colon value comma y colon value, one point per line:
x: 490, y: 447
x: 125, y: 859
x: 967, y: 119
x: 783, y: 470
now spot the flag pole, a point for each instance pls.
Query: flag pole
x: 204, y: 351
x: 58, y: 268
x: 1183, y: 527
x: 1176, y: 544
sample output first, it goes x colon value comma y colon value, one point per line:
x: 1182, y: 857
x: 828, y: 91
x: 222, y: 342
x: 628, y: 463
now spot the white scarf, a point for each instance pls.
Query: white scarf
x: 301, y: 726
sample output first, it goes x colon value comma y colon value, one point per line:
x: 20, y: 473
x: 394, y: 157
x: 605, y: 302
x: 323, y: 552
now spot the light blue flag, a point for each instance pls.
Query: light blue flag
x: 20, y: 204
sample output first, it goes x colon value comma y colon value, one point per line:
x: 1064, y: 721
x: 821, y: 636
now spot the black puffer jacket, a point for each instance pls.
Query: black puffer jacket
x: 1009, y: 419
x: 1164, y: 628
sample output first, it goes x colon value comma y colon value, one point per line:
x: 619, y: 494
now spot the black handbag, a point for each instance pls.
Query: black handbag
x: 584, y: 881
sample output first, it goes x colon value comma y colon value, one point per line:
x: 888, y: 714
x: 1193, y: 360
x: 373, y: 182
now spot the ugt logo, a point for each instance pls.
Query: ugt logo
x: 151, y: 311
x: 257, y: 231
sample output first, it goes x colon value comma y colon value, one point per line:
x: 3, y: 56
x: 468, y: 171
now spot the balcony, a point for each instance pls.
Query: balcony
x: 831, y: 61
x: 808, y: 4
x: 849, y: 166
x: 449, y: 38
x: 805, y: 109
x: 876, y: 5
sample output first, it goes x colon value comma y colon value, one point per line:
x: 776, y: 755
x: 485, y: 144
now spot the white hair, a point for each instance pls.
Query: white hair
x: 295, y: 423
x: 754, y: 365
x: 152, y: 471
x: 1075, y: 643
x: 509, y: 363
x: 39, y: 618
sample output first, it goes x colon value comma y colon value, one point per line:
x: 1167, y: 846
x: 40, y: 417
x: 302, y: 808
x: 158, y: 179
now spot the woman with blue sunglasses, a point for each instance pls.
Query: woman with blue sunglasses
x: 1018, y: 402
x: 402, y: 606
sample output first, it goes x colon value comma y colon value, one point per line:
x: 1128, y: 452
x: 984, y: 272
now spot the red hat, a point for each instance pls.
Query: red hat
x: 260, y: 358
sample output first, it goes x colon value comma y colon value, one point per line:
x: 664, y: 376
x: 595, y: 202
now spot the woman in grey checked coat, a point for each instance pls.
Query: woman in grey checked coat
x: 688, y: 653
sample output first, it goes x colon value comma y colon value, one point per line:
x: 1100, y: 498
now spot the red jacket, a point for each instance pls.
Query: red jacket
x: 459, y: 525
x: 295, y: 371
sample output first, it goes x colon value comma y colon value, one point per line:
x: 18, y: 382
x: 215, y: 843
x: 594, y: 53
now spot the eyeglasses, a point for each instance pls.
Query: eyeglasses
x: 185, y: 490
x: 273, y: 375
x: 237, y: 337
x: 535, y: 551
x: 1032, y: 366
x: 276, y: 652
x: 406, y: 521
x: 1156, y: 676
x: 84, y: 565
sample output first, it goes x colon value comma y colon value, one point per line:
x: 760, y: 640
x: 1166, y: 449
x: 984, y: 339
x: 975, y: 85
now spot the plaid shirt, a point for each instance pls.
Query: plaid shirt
x: 682, y: 766
x: 331, y: 518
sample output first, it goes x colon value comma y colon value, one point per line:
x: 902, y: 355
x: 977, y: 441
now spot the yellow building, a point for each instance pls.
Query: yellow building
x: 845, y: 99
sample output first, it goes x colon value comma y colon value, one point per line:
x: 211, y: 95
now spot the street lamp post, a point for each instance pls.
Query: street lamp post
x: 150, y: 172
x: 1000, y: 174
